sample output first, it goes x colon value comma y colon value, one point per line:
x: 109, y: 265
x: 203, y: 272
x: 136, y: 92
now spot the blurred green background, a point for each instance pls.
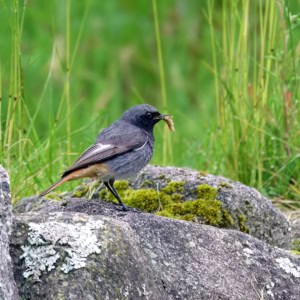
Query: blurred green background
x: 231, y: 71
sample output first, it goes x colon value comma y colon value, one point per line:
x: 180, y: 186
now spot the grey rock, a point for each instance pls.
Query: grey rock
x: 86, y: 249
x: 263, y: 219
x: 8, y: 288
x: 294, y: 218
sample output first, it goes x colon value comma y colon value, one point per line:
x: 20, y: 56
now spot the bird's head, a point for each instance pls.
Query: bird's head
x: 144, y: 116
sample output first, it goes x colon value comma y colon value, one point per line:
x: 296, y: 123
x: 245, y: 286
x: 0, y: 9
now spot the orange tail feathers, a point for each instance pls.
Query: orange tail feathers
x: 55, y: 185
x: 96, y: 170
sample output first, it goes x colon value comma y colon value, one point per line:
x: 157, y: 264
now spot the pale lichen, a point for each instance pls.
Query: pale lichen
x: 269, y: 287
x: 286, y: 265
x: 52, y: 241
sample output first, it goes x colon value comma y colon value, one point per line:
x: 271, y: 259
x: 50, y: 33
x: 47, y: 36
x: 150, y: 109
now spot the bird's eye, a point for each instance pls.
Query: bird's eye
x: 148, y: 115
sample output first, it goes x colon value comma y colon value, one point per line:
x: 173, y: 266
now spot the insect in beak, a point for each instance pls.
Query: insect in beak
x: 168, y: 119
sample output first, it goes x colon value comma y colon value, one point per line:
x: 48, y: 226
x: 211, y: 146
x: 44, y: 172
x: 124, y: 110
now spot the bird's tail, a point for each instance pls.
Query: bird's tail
x: 55, y: 185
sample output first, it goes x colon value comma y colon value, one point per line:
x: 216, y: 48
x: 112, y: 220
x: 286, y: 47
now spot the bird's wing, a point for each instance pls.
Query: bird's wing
x: 111, y: 144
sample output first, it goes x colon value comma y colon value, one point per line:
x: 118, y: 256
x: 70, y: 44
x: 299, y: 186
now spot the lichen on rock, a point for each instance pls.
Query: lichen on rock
x: 53, y: 241
x: 148, y: 257
x: 285, y: 264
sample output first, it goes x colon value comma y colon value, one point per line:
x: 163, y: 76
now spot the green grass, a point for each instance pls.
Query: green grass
x: 227, y: 70
x: 257, y: 95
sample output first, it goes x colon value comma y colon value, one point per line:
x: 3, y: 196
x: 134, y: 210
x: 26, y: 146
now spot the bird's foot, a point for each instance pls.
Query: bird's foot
x: 123, y: 207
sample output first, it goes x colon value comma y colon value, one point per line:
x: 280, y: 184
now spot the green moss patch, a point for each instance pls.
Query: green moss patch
x: 224, y: 185
x: 174, y: 187
x: 147, y: 184
x: 206, y: 209
x: 121, y: 185
x: 57, y: 196
x: 82, y: 191
x: 208, y: 212
x: 242, y: 223
x: 170, y: 202
x: 296, y: 245
x: 296, y: 252
x: 176, y: 190
x: 205, y: 191
x: 148, y: 200
x: 203, y: 173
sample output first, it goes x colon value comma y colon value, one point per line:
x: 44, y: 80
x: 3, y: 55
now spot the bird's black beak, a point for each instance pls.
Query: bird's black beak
x: 160, y: 117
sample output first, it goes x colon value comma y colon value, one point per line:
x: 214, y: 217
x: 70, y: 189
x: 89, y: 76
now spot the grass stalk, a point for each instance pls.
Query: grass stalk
x: 68, y: 74
x: 167, y: 149
x: 209, y: 16
x: 1, y: 98
x: 252, y: 54
x: 249, y: 88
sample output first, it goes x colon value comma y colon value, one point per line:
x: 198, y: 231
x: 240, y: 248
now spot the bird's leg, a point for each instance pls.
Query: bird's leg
x: 110, y: 185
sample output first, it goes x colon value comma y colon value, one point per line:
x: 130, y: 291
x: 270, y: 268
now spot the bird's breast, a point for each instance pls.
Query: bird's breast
x: 129, y: 164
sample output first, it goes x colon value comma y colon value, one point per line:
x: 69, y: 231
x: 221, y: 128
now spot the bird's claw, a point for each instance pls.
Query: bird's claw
x: 123, y: 207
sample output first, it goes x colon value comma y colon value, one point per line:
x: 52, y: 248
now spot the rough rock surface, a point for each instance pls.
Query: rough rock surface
x: 86, y: 249
x: 294, y: 218
x: 262, y: 219
x: 8, y: 289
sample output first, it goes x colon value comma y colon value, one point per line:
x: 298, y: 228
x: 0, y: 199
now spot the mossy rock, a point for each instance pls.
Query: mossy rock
x: 242, y: 223
x: 174, y: 187
x: 205, y: 191
x: 147, y: 184
x: 224, y: 185
x: 122, y: 187
x: 57, y: 196
x: 296, y: 245
x: 208, y: 212
x: 82, y: 191
x: 206, y: 209
x: 148, y: 200
x: 169, y: 202
x: 203, y: 173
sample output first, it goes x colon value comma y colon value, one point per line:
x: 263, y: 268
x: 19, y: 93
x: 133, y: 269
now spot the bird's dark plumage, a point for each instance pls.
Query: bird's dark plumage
x: 120, y: 151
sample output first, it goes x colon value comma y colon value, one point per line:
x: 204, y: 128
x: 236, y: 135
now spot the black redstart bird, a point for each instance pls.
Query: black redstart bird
x: 120, y: 151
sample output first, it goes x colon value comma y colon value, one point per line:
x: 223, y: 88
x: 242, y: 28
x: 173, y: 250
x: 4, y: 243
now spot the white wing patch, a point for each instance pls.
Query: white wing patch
x: 100, y: 147
x: 93, y: 150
